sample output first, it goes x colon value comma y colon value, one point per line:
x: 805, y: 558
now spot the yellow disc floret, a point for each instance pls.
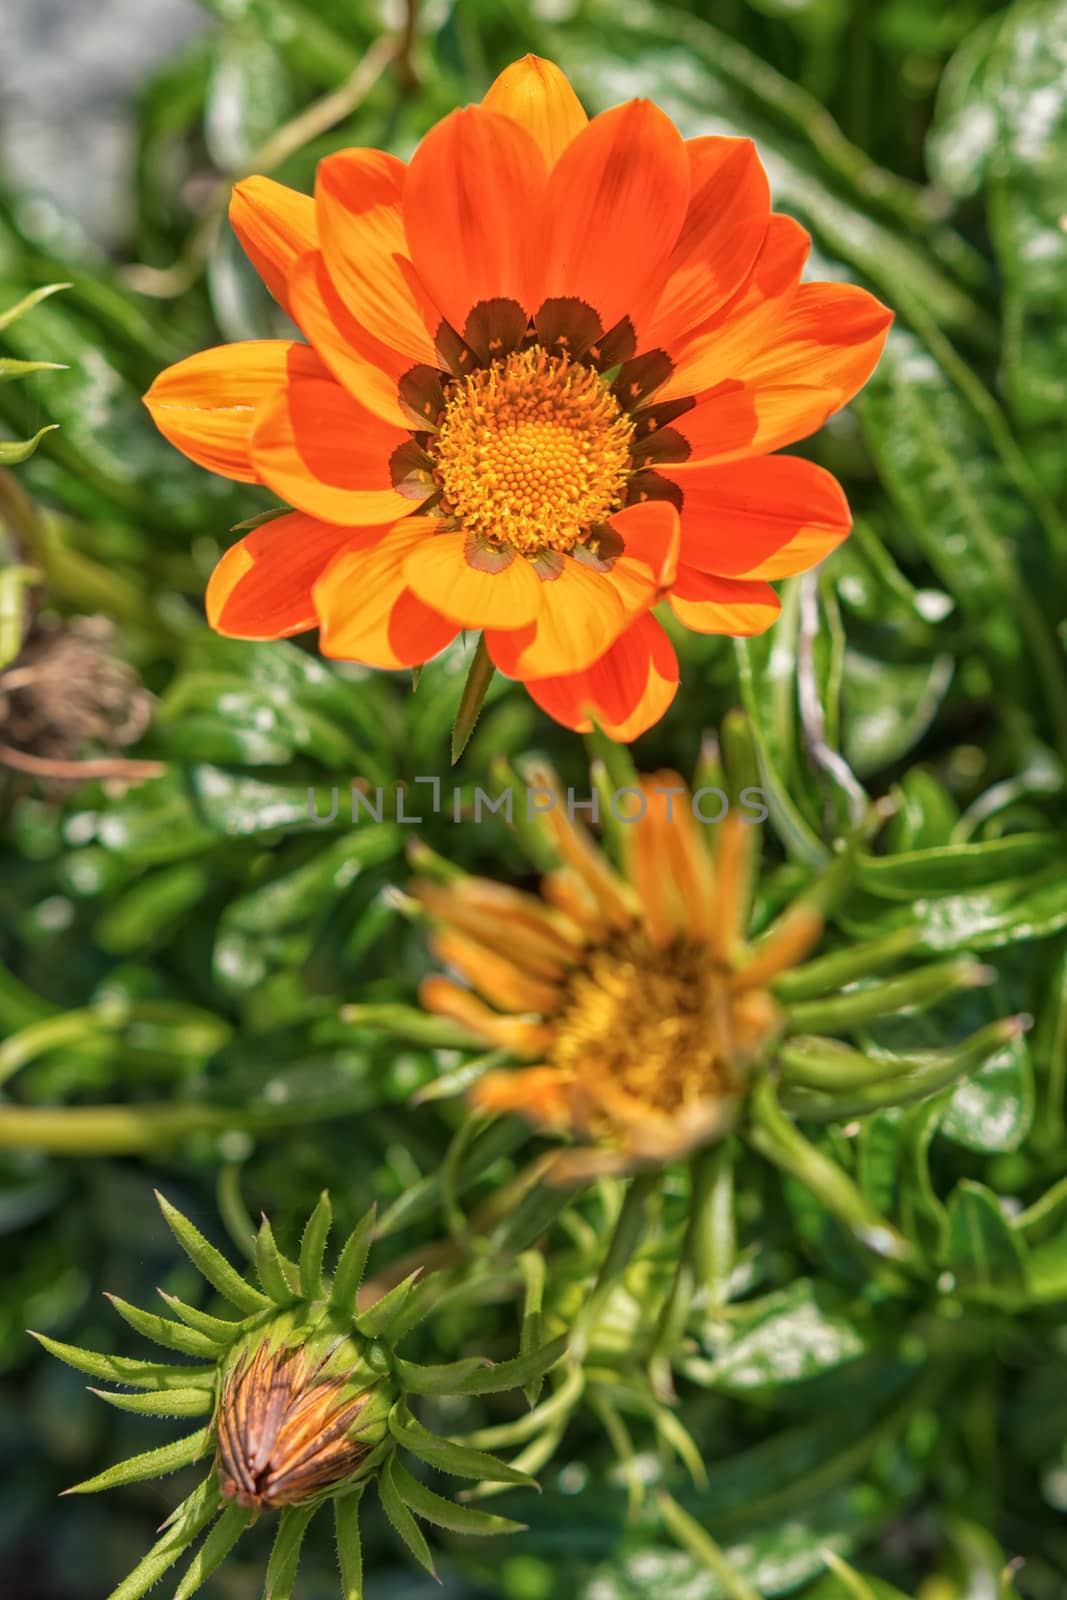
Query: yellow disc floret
x: 532, y: 451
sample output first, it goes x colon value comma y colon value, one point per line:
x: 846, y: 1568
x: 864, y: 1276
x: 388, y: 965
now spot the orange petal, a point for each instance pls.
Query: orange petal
x: 358, y: 196
x: 734, y: 422
x: 651, y: 535
x: 437, y: 570
x: 327, y: 455
x: 830, y: 337
x: 501, y: 982
x: 627, y: 690
x: 367, y: 368
x: 261, y: 589
x: 447, y: 999
x: 615, y: 204
x: 527, y: 946
x: 723, y: 232
x: 759, y: 519
x: 723, y: 605
x: 275, y: 225
x: 582, y: 614
x: 207, y: 404
x: 367, y: 613
x: 536, y: 94
x: 538, y: 1093
x: 719, y: 351
x: 472, y: 213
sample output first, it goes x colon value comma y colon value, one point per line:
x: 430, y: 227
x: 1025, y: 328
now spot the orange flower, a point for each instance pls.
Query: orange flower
x: 632, y: 996
x: 544, y: 363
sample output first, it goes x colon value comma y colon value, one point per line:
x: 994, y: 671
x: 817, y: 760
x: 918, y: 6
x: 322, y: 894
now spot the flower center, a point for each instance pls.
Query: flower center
x: 658, y: 1025
x: 532, y: 451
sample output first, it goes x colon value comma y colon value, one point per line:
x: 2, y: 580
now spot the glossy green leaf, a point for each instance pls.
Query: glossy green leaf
x: 984, y: 1254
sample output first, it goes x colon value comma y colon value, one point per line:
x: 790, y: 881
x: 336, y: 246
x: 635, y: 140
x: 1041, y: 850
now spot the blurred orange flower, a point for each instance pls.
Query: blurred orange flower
x: 546, y: 364
x: 631, y: 996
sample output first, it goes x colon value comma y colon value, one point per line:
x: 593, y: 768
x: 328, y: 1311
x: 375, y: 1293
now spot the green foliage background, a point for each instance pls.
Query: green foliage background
x: 191, y: 943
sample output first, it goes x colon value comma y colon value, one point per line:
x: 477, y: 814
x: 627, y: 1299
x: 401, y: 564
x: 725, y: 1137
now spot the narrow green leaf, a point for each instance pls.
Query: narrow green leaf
x: 417, y: 1379
x: 12, y: 451
x: 479, y: 677
x: 11, y: 368
x: 402, y: 1520
x: 124, y: 1369
x: 313, y: 1248
x: 222, y: 1330
x: 855, y: 1583
x: 351, y: 1265
x: 161, y: 1330
x: 27, y: 303
x: 214, y: 1550
x: 150, y: 1464
x: 377, y: 1322
x: 692, y: 1537
x: 161, y: 1402
x: 532, y: 1266
x: 445, y: 1513
x: 274, y: 1272
x: 183, y: 1526
x: 512, y: 1374
x: 458, y: 1460
x: 285, y: 1555
x: 211, y: 1263
x: 349, y: 1545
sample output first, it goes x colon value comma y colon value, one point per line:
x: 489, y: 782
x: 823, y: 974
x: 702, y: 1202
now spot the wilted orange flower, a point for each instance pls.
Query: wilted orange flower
x: 634, y: 996
x: 546, y: 363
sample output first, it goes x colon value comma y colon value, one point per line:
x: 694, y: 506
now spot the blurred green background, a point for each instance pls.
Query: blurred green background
x: 190, y: 942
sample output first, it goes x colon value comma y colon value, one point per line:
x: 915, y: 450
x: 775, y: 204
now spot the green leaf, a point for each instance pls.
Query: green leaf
x: 124, y: 1369
x: 352, y: 1264
x: 12, y: 451
x: 285, y: 1555
x: 444, y: 1513
x: 162, y: 1402
x: 986, y: 1257
x: 376, y: 1322
x: 458, y: 1460
x: 214, y: 1266
x: 313, y: 1248
x: 161, y: 1330
x: 271, y: 1267
x: 994, y: 1109
x: 182, y: 1527
x: 10, y: 368
x: 482, y: 1377
x: 214, y: 1550
x: 402, y: 1520
x: 788, y: 1337
x: 34, y: 298
x: 699, y: 1543
x: 479, y: 677
x: 150, y: 1464
x: 221, y: 1330
x: 349, y: 1545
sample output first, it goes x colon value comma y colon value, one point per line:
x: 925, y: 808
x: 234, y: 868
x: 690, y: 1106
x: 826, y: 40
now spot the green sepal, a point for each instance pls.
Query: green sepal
x: 126, y: 1369
x: 349, y: 1544
x: 161, y: 1402
x: 161, y: 1330
x: 352, y: 1264
x: 483, y: 1379
x: 12, y: 451
x: 222, y: 1330
x: 402, y: 1520
x: 422, y: 1300
x: 313, y: 1248
x: 445, y: 1513
x: 285, y: 1554
x: 211, y: 1263
x: 214, y: 1550
x: 182, y: 1527
x: 458, y: 1460
x: 277, y: 1275
x: 150, y: 1464
x: 376, y: 1323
